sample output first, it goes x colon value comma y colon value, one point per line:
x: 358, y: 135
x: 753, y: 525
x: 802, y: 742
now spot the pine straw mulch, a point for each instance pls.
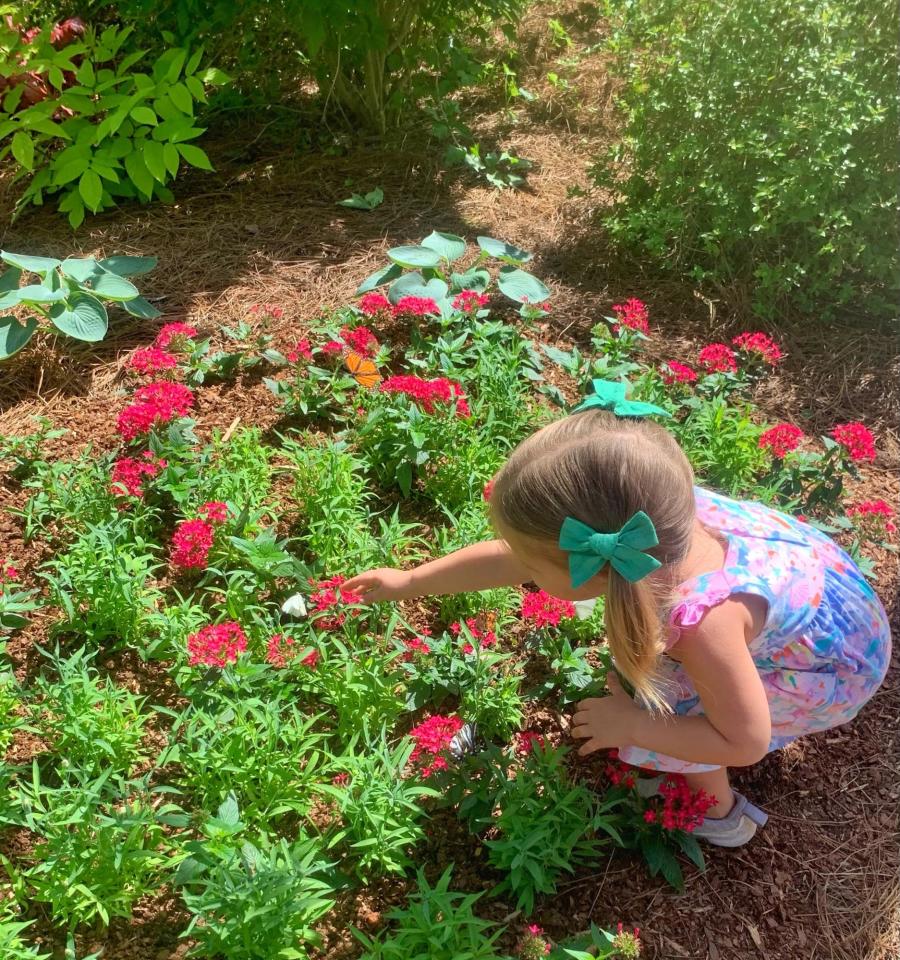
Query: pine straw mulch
x: 821, y: 881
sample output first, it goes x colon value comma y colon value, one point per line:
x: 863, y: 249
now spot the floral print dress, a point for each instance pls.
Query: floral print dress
x: 825, y: 645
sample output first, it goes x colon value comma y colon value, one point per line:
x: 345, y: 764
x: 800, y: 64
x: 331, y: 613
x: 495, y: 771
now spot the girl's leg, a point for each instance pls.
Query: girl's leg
x: 715, y: 783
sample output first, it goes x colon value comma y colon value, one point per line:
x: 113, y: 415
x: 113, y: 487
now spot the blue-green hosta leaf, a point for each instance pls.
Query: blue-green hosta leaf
x: 414, y: 257
x: 503, y: 251
x: 82, y: 316
x: 39, y: 265
x: 92, y: 276
x: 521, y: 286
x: 128, y: 266
x: 14, y: 335
x: 38, y: 293
x: 415, y: 285
x: 10, y: 280
x: 376, y: 279
x: 473, y: 279
x: 448, y: 245
x: 139, y: 307
x: 79, y: 269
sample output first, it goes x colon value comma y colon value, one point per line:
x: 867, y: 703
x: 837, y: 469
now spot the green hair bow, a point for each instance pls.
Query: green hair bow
x: 589, y: 551
x: 610, y: 395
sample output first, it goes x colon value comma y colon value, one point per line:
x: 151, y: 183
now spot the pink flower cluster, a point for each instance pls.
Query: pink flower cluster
x: 469, y: 300
x: 432, y: 740
x: 857, y: 439
x: 876, y: 513
x: 544, y: 610
x: 627, y: 943
x: 427, y: 393
x: 153, y: 404
x: 633, y: 313
x: 267, y: 310
x: 152, y: 359
x: 534, y: 945
x: 128, y: 474
x: 377, y: 304
x: 373, y: 304
x: 326, y: 597
x: 487, y: 491
x: 674, y: 372
x: 8, y: 572
x: 361, y: 340
x: 216, y: 645
x: 282, y: 650
x: 193, y: 539
x: 717, y: 358
x: 414, y: 647
x: 781, y: 439
x: 483, y: 637
x: 760, y: 345
x: 527, y: 740
x: 173, y: 335
x: 300, y: 351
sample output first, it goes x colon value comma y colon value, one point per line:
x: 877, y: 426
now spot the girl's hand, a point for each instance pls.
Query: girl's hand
x: 606, y: 722
x: 384, y: 583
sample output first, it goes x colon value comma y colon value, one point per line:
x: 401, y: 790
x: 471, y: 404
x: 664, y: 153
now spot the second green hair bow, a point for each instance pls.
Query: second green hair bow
x: 589, y: 551
x: 610, y: 395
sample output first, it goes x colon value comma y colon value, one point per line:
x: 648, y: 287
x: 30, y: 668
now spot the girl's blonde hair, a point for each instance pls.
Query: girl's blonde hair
x: 601, y: 469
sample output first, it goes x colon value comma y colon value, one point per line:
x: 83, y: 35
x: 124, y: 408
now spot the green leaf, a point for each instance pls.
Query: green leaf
x: 447, y: 245
x: 112, y: 286
x: 139, y: 307
x: 473, y: 279
x: 521, y: 286
x: 414, y: 257
x: 38, y: 293
x: 379, y: 277
x: 692, y: 850
x: 370, y: 201
x: 138, y: 173
x: 91, y: 190
x: 14, y: 335
x: 129, y: 266
x: 23, y: 149
x: 152, y: 155
x: 143, y: 114
x: 415, y: 285
x: 228, y: 811
x: 215, y: 77
x: 171, y: 158
x: 10, y: 280
x: 81, y: 270
x: 194, y: 156
x: 181, y: 97
x: 503, y: 251
x: 41, y: 265
x: 82, y: 316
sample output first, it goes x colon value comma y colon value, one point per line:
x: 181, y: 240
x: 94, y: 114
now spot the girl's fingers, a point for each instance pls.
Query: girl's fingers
x: 581, y: 733
x: 591, y: 747
x: 613, y: 684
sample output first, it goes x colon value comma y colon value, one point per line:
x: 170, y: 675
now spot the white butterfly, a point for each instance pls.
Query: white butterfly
x: 294, y: 606
x: 585, y: 608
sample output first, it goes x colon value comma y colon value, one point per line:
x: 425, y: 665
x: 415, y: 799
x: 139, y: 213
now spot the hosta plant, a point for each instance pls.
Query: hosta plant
x: 70, y: 296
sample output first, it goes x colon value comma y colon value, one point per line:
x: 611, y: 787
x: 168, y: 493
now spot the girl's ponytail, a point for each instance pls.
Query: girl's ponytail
x: 634, y: 632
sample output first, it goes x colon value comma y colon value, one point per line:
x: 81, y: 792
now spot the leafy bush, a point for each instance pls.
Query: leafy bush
x: 116, y: 133
x: 438, y: 924
x: 72, y: 295
x: 12, y: 946
x: 759, y: 147
x: 546, y: 826
x: 252, y: 899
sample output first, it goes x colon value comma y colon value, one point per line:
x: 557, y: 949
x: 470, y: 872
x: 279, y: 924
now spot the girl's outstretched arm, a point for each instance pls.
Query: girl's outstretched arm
x: 478, y: 567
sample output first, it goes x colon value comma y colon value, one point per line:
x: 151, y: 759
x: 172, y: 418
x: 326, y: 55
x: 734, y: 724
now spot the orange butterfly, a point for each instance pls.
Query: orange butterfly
x: 362, y: 369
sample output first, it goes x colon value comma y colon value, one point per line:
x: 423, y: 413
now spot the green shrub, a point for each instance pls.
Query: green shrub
x: 117, y: 132
x: 760, y: 147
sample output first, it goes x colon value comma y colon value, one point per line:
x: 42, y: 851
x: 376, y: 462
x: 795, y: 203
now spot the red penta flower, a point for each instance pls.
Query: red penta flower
x: 534, y: 945
x: 216, y: 645
x: 428, y: 393
x: 267, y: 310
x: 147, y: 360
x: 414, y: 648
x: 300, y: 351
x: 215, y: 511
x: 432, y: 740
x: 128, y: 474
x: 372, y: 304
x: 469, y: 300
x: 416, y: 307
x: 325, y: 598
x: 191, y: 543
x: 527, y: 740
x: 876, y: 514
x: 360, y: 339
x: 483, y: 637
x: 341, y: 779
x: 173, y: 336
x: 545, y: 611
x: 857, y: 439
x: 332, y: 347
x: 717, y: 358
x: 154, y: 404
x: 633, y: 313
x: 674, y: 372
x: 487, y: 491
x: 759, y: 344
x: 781, y: 439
